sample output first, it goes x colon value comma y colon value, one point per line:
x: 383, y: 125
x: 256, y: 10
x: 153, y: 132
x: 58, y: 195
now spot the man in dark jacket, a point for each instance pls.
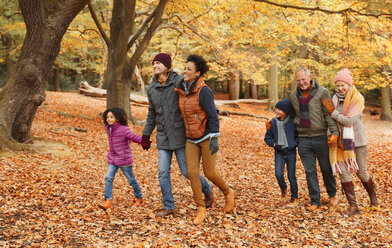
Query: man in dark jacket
x: 165, y: 115
x: 313, y: 121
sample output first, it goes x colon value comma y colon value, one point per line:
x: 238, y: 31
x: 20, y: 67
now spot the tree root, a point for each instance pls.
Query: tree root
x: 11, y: 144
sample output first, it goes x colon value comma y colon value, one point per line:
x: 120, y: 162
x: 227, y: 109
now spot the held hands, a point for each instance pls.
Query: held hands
x: 328, y: 105
x: 146, y: 142
x: 214, y: 147
x: 332, y: 141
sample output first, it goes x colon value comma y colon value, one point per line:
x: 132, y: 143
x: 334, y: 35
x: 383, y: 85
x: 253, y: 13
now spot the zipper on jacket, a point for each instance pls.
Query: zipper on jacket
x: 197, y: 117
x: 186, y: 117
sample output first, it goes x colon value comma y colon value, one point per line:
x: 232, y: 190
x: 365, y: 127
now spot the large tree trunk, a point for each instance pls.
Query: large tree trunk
x: 273, y: 87
x: 386, y: 104
x: 120, y: 68
x: 21, y: 97
x: 118, y: 90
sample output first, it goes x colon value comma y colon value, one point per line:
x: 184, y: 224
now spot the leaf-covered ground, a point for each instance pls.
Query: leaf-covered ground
x: 49, y: 198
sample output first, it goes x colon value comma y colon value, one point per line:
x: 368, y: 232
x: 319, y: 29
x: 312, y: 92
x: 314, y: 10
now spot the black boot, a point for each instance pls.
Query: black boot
x: 371, y: 189
x: 350, y: 194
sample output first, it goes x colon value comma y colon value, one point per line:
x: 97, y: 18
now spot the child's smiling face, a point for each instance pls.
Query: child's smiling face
x: 280, y: 114
x: 111, y: 119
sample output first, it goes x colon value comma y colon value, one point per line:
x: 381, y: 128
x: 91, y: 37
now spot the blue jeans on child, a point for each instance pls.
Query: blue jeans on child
x: 128, y: 172
x: 289, y: 158
x: 164, y: 166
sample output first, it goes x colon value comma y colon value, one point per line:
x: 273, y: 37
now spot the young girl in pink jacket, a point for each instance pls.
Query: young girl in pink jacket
x: 120, y: 154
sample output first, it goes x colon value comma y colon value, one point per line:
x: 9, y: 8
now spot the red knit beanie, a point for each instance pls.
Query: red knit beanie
x: 164, y: 58
x: 344, y: 76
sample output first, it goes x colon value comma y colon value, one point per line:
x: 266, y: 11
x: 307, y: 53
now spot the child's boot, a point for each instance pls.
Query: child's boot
x: 138, y: 202
x: 200, y: 216
x: 229, y: 197
x: 106, y: 205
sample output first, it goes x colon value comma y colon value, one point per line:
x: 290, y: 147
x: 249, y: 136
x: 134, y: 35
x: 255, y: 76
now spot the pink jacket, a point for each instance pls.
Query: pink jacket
x: 120, y: 153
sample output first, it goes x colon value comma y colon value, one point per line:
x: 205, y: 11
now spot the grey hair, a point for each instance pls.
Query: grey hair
x: 307, y: 72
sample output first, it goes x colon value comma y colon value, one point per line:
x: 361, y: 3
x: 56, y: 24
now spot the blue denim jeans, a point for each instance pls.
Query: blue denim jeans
x: 309, y: 149
x: 128, y: 172
x: 290, y: 159
x: 164, y: 167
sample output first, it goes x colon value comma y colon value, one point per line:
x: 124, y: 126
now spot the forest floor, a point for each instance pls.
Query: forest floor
x: 49, y: 198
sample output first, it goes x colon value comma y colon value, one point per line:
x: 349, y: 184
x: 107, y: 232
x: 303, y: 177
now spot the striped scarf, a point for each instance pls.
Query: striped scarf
x: 304, y: 114
x: 344, y: 153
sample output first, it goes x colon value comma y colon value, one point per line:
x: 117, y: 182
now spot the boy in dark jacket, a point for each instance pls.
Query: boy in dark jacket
x: 283, y: 137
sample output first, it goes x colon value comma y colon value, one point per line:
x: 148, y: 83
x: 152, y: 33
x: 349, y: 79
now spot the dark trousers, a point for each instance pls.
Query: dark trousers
x: 309, y: 149
x: 281, y: 159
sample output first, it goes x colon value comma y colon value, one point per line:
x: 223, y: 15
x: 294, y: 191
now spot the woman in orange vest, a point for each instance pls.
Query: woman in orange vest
x: 196, y: 102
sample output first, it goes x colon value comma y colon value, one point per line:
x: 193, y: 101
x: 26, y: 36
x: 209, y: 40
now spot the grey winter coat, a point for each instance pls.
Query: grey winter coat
x: 164, y: 113
x: 355, y: 121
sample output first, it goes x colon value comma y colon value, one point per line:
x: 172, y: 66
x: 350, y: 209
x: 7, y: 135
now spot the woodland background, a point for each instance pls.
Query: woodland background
x: 53, y: 145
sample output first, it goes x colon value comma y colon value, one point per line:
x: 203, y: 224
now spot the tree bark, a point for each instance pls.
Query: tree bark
x: 21, y: 97
x: 273, y: 87
x: 386, y: 104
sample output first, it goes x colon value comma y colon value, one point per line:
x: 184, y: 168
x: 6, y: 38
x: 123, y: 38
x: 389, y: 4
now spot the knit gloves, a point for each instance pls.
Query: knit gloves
x: 328, y: 105
x: 146, y: 142
x: 214, y: 147
x: 332, y: 141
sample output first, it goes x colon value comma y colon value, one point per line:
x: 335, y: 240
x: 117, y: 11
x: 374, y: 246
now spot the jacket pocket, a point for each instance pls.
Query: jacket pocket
x: 159, y: 127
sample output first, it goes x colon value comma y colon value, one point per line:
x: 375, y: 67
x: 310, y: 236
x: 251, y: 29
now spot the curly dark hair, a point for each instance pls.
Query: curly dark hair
x: 200, y: 62
x: 119, y: 113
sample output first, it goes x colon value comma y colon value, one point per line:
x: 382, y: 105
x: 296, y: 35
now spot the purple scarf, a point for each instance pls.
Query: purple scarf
x: 304, y: 105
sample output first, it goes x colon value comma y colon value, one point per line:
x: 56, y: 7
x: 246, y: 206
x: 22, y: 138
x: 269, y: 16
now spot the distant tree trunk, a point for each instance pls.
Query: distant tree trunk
x: 247, y: 90
x: 385, y: 104
x: 254, y: 91
x: 140, y: 82
x: 56, y: 79
x: 11, y: 69
x: 233, y: 87
x: 273, y: 87
x: 21, y: 97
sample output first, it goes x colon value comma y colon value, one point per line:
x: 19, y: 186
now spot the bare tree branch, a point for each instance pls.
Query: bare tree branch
x: 141, y: 29
x: 99, y: 26
x: 328, y: 11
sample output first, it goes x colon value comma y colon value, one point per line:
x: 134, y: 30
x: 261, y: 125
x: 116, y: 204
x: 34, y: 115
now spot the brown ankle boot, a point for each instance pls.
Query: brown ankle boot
x: 106, y: 205
x: 229, y: 206
x: 350, y: 194
x: 371, y: 189
x: 200, y: 216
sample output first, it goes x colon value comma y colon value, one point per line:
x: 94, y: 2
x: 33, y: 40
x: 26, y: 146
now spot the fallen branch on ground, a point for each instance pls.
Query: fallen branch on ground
x: 228, y: 113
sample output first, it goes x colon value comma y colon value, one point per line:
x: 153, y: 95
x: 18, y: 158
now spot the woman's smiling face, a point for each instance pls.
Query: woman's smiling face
x: 342, y: 87
x: 190, y: 73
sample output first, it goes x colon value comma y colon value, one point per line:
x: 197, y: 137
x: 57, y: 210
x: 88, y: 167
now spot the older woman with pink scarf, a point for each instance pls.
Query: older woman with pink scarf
x: 349, y: 155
